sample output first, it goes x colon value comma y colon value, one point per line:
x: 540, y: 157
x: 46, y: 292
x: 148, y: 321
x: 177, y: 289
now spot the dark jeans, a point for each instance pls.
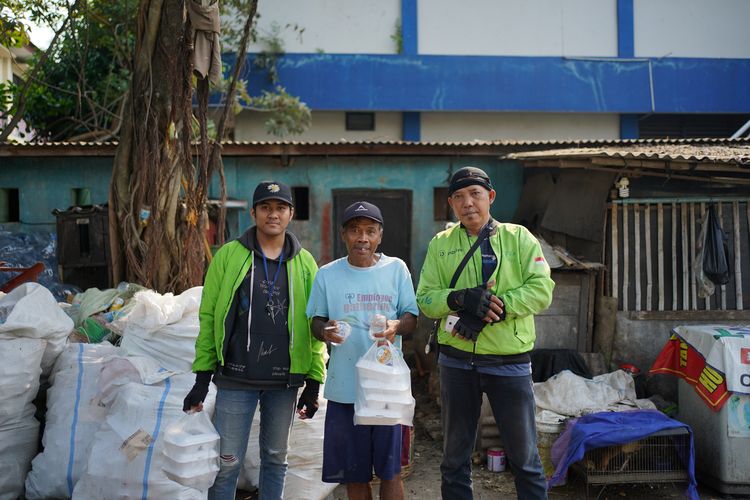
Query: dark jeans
x: 512, y: 402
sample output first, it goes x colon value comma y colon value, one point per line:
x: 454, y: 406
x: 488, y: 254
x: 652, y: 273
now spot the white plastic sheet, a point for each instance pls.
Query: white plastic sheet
x: 163, y: 327
x: 73, y: 417
x: 33, y: 312
x: 126, y: 459
x: 569, y: 394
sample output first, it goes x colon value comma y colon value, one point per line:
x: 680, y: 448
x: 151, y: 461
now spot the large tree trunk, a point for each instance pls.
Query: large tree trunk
x: 156, y: 226
x: 157, y: 209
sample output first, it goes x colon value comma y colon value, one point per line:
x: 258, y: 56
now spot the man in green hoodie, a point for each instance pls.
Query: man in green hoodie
x: 255, y: 342
x: 486, y: 331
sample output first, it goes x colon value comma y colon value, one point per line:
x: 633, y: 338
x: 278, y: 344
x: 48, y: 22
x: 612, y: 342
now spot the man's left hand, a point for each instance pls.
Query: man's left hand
x: 308, y: 400
x: 389, y: 333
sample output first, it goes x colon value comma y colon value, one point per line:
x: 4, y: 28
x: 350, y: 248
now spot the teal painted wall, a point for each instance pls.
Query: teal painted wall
x: 323, y: 175
x: 46, y: 183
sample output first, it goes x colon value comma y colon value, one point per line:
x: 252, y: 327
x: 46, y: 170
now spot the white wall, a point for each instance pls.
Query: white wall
x: 326, y: 126
x: 447, y: 127
x: 6, y: 68
x: 692, y: 28
x: 518, y: 126
x: 518, y: 27
x: 332, y: 26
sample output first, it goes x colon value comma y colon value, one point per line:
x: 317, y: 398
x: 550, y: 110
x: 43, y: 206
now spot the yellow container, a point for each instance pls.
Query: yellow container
x: 546, y: 435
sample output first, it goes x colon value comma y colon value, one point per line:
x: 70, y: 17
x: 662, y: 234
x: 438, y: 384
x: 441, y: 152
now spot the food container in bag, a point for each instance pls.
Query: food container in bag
x: 191, y: 451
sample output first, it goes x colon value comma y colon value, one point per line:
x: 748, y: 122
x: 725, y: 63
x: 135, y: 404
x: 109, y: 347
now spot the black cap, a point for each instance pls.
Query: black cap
x: 361, y: 209
x: 467, y: 176
x: 272, y: 190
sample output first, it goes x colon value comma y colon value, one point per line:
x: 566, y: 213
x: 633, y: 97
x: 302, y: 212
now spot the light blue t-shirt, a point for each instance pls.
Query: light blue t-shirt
x: 354, y: 294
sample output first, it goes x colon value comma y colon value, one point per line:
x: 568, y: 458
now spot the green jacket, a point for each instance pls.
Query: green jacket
x: 225, y: 274
x: 522, y: 281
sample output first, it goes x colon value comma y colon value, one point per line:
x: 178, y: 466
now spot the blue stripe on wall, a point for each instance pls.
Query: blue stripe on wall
x: 486, y: 83
x: 409, y: 27
x: 625, y: 28
x: 412, y: 126
x: 629, y: 127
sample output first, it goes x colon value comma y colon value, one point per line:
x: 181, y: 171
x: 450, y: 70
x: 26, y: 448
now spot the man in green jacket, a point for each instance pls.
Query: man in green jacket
x: 486, y: 331
x: 255, y: 342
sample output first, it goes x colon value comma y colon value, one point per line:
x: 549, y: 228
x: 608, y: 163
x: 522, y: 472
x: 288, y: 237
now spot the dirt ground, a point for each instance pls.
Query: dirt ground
x: 423, y: 479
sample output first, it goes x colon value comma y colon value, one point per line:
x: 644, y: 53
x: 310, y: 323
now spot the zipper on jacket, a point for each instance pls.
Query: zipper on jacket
x: 250, y: 309
x: 224, y: 347
x: 290, y: 281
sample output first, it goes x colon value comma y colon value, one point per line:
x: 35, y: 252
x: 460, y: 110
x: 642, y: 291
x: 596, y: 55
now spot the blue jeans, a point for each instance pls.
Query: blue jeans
x: 233, y: 418
x: 512, y: 402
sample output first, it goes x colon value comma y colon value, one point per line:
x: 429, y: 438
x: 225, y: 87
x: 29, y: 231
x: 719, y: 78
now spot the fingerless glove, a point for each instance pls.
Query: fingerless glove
x: 199, y: 391
x: 309, y: 397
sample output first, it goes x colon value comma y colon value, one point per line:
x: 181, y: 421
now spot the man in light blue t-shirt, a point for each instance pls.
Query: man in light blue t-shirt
x: 353, y: 290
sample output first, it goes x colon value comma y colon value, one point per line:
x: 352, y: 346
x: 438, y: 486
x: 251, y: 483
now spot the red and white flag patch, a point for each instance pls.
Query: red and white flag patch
x: 539, y: 260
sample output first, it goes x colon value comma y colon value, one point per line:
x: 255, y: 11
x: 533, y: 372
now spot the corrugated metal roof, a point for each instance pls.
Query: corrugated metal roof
x: 735, y: 152
x: 653, y: 148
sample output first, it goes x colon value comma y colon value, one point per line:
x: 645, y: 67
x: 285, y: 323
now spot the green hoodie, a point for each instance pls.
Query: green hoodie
x: 522, y: 281
x: 228, y: 268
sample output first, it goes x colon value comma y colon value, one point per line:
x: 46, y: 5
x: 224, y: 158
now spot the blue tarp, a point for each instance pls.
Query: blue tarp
x: 614, y: 428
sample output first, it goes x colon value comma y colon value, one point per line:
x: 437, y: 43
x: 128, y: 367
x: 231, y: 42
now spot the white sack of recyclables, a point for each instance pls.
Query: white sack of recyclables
x: 571, y: 395
x: 126, y: 459
x: 20, y: 368
x: 163, y: 327
x: 73, y: 416
x: 33, y: 312
x: 305, y: 457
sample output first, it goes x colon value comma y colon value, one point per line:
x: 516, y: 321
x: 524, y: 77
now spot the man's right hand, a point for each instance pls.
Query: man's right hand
x: 331, y: 332
x: 468, y: 327
x: 196, y: 396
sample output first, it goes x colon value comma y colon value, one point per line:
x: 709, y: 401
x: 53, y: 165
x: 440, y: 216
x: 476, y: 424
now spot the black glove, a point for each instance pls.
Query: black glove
x: 474, y: 301
x: 309, y: 397
x: 469, y: 326
x: 199, y: 391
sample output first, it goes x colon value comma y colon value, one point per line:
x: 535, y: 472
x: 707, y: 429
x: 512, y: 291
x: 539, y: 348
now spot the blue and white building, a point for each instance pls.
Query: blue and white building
x: 440, y: 70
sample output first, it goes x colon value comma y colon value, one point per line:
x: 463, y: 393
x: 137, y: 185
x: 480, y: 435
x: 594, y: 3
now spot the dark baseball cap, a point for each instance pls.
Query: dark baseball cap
x: 468, y: 176
x: 361, y: 209
x: 272, y: 190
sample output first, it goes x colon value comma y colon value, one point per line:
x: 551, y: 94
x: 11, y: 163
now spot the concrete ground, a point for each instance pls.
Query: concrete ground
x: 423, y: 479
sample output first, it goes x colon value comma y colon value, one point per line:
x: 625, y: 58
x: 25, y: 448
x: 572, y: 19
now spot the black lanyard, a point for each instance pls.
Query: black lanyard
x: 272, y: 287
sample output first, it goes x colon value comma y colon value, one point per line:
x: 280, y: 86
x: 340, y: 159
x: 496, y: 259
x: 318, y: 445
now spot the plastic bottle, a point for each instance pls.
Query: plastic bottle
x: 344, y: 330
x: 378, y: 324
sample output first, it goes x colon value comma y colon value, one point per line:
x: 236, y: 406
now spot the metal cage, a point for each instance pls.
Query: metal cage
x: 660, y: 457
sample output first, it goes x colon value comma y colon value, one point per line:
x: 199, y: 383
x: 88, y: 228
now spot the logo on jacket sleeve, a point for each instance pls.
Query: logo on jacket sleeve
x: 539, y: 260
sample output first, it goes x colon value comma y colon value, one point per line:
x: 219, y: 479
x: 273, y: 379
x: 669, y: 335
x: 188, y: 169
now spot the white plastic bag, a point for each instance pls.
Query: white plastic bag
x: 33, y: 312
x: 191, y: 451
x: 20, y: 367
x: 126, y: 456
x: 163, y: 327
x: 73, y: 416
x: 383, y: 387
